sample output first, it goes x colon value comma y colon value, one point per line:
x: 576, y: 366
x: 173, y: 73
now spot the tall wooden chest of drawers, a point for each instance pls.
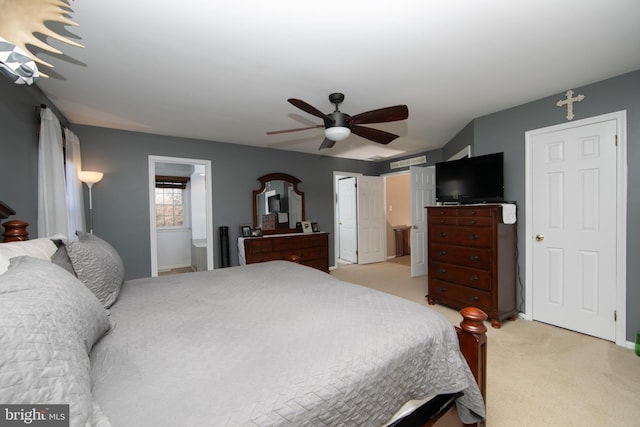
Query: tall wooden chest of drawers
x: 311, y: 249
x: 472, y: 259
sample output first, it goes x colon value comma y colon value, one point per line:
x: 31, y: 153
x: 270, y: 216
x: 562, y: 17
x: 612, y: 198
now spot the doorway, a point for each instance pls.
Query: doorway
x: 347, y: 235
x: 189, y: 240
x: 359, y: 218
x: 576, y: 226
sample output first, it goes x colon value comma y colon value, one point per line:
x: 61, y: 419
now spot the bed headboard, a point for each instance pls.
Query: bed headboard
x: 5, y: 210
x: 15, y: 230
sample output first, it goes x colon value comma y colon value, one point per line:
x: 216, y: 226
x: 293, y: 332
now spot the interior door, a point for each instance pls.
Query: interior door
x: 423, y: 193
x: 371, y: 219
x: 347, y: 220
x: 574, y: 204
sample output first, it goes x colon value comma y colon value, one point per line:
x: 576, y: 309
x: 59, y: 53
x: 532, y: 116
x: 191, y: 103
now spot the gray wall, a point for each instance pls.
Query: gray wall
x: 121, y: 203
x: 19, y: 129
x: 433, y: 157
x: 505, y: 131
x: 462, y: 139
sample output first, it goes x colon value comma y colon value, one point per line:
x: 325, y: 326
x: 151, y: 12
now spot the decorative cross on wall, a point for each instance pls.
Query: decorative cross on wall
x: 569, y: 103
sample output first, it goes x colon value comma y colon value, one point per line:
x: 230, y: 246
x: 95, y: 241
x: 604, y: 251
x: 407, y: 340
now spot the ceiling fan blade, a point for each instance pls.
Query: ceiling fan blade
x: 274, y: 132
x: 327, y: 143
x: 309, y: 109
x: 375, y: 135
x: 381, y: 115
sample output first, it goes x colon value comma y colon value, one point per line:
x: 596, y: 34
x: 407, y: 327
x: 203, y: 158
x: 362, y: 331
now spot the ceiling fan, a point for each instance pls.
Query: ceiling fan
x: 338, y: 125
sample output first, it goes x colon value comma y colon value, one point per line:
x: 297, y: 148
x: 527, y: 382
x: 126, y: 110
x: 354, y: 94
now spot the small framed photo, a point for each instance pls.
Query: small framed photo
x: 245, y: 230
x: 256, y: 232
x: 314, y: 227
x: 306, y: 226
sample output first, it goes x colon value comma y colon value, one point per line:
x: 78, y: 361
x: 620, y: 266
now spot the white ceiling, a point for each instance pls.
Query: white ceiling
x: 222, y: 71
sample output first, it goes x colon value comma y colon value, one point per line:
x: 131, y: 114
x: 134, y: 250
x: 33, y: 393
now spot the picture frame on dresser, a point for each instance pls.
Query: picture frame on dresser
x: 245, y: 230
x: 315, y: 227
x: 306, y: 227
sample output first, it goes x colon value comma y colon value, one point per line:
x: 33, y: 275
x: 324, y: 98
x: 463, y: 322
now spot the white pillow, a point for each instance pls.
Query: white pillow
x: 4, y: 263
x: 42, y: 248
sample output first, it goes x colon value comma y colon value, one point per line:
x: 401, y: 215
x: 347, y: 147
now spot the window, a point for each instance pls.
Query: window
x: 169, y: 207
x: 170, y: 201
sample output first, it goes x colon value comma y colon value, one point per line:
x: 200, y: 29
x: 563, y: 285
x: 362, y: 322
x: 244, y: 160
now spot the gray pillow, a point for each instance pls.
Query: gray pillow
x: 97, y: 265
x: 61, y: 257
x: 49, y: 322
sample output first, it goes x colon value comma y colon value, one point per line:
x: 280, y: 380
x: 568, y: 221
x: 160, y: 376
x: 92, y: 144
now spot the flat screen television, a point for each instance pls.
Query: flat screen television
x: 471, y: 180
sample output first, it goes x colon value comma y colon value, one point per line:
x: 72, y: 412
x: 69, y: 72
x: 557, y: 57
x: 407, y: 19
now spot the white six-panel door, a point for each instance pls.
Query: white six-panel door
x: 348, y: 220
x: 372, y: 244
x: 423, y: 193
x: 573, y: 173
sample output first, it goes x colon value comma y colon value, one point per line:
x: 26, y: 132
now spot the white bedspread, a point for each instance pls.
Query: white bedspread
x: 271, y: 344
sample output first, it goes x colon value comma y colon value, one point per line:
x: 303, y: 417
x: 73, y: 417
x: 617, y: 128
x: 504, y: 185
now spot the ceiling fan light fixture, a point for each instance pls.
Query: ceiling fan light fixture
x: 337, y: 133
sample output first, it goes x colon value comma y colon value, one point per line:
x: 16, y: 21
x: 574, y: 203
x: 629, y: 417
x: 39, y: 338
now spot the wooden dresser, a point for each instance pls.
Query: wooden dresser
x: 311, y: 249
x: 472, y: 260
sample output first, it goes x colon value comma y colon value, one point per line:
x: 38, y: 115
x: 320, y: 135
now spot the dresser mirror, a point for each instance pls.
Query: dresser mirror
x: 278, y: 204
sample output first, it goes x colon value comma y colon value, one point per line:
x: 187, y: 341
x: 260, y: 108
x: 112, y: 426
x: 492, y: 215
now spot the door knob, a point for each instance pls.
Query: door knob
x: 539, y: 237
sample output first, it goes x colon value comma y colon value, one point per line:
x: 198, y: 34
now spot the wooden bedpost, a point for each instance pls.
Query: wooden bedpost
x: 473, y: 344
x: 15, y: 231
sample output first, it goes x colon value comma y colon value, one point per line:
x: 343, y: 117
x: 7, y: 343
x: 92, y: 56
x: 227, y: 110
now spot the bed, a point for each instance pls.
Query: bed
x: 269, y: 344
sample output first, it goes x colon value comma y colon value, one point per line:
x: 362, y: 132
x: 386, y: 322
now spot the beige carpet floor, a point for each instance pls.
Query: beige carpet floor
x: 173, y: 271
x: 538, y: 375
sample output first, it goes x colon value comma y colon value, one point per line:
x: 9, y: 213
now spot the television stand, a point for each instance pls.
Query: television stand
x: 472, y: 259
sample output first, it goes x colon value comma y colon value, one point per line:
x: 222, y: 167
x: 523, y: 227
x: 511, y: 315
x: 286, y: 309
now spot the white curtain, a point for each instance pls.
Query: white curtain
x: 75, y: 200
x: 52, y: 201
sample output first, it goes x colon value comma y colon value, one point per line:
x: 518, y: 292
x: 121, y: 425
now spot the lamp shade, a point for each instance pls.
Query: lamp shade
x: 337, y: 133
x: 90, y: 177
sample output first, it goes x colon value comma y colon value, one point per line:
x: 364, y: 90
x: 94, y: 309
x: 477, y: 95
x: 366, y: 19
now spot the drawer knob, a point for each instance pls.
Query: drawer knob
x: 443, y: 271
x: 294, y: 258
x: 474, y: 298
x: 443, y: 289
x: 442, y: 221
x: 443, y: 253
x: 473, y: 212
x: 473, y: 222
x: 474, y: 278
x: 474, y: 237
x: 443, y: 234
x: 474, y: 258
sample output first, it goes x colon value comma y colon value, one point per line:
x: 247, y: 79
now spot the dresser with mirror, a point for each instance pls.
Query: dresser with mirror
x: 278, y: 208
